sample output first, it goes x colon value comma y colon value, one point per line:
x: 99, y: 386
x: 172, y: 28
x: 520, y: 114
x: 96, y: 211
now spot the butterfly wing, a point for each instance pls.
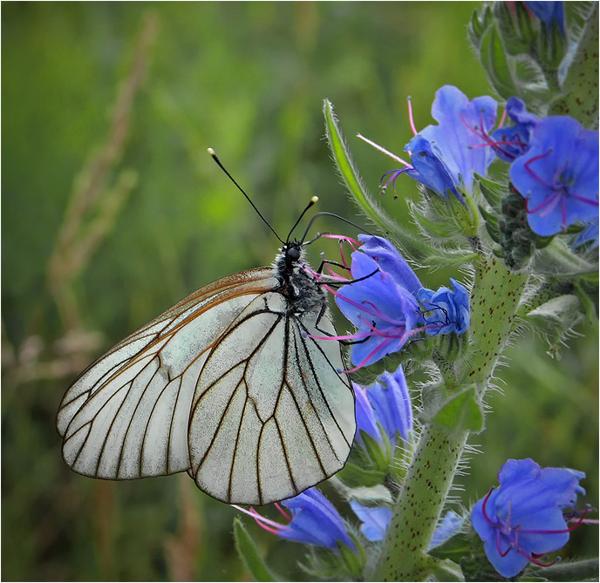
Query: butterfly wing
x: 271, y: 415
x: 127, y: 415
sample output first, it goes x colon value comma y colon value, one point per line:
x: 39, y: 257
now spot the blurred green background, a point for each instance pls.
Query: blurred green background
x: 107, y: 111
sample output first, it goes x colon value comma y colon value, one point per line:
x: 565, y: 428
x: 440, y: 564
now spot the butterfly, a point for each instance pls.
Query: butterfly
x: 228, y: 385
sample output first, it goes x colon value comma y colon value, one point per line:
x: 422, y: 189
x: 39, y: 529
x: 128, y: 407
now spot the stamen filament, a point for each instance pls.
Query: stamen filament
x: 411, y: 119
x: 384, y: 151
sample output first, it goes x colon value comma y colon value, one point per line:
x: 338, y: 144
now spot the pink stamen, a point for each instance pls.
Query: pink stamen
x: 384, y: 151
x: 343, y: 257
x: 379, y: 315
x: 371, y: 354
x: 282, y: 511
x: 501, y: 552
x: 411, y: 119
x: 583, y: 199
x: 533, y: 174
x: 484, y: 508
x: 339, y: 337
x: 352, y: 242
x: 262, y: 521
x: 502, y: 119
x: 533, y: 558
x: 552, y: 200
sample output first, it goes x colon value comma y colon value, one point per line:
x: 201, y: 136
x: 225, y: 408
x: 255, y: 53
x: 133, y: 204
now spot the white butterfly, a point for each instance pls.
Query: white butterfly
x: 228, y: 385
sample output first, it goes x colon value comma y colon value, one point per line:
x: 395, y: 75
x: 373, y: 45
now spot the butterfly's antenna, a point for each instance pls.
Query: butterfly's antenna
x: 326, y: 214
x: 220, y: 165
x: 314, y: 200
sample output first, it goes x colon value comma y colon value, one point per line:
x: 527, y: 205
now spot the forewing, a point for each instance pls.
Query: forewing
x: 271, y: 416
x: 127, y: 415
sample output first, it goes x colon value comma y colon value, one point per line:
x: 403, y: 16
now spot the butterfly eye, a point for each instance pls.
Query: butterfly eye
x: 293, y: 253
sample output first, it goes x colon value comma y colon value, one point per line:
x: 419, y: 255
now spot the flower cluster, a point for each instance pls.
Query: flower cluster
x: 523, y: 518
x: 554, y: 160
x: 389, y: 306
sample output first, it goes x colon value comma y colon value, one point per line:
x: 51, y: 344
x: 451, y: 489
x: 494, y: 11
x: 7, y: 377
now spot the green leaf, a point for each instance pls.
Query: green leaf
x: 461, y: 412
x: 581, y: 570
x: 354, y: 183
x: 249, y: 554
x: 581, y: 81
x: 494, y: 61
x: 456, y: 547
x: 492, y: 191
x: 558, y: 260
x: 355, y: 475
x: 447, y: 570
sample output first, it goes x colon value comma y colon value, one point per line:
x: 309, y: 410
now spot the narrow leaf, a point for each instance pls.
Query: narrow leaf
x: 461, y: 412
x: 354, y: 183
x: 249, y: 554
x: 493, y: 59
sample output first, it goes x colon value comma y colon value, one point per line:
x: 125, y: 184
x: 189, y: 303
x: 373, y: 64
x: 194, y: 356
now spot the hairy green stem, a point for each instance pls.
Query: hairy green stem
x: 494, y: 301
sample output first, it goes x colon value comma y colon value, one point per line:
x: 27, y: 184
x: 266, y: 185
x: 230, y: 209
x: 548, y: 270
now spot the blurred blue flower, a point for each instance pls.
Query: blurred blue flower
x: 445, y: 156
x: 512, y: 141
x: 446, y: 311
x: 522, y: 519
x: 558, y: 176
x: 549, y: 13
x: 382, y: 305
x: 450, y: 525
x: 376, y: 519
x: 588, y: 235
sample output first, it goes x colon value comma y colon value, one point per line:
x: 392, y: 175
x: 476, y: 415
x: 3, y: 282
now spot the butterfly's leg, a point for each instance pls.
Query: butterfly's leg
x: 348, y: 282
x: 325, y: 262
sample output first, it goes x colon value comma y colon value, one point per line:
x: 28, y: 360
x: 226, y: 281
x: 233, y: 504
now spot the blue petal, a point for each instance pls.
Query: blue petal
x: 365, y: 416
x: 391, y: 402
x: 548, y: 12
x: 428, y: 168
x: 449, y: 526
x: 457, y: 140
x: 389, y: 260
x: 560, y: 169
x: 375, y: 520
x: 315, y: 521
x: 510, y: 565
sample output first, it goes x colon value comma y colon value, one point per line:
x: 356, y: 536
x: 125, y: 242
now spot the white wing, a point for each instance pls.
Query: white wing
x: 271, y: 416
x: 127, y: 415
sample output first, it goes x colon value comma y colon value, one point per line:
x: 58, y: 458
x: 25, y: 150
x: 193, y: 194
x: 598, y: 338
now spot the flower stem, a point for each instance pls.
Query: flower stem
x: 494, y: 301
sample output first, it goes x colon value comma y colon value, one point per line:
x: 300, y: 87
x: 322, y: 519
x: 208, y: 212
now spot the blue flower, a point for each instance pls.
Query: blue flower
x: 365, y: 415
x: 382, y: 305
x: 388, y: 305
x: 391, y: 404
x: 313, y: 521
x: 512, y: 141
x: 446, y: 311
x: 558, y: 176
x: 522, y: 519
x: 549, y: 13
x: 446, y: 156
x: 376, y: 519
x: 384, y: 406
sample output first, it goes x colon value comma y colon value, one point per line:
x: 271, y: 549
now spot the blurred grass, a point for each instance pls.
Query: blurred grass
x: 247, y: 79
